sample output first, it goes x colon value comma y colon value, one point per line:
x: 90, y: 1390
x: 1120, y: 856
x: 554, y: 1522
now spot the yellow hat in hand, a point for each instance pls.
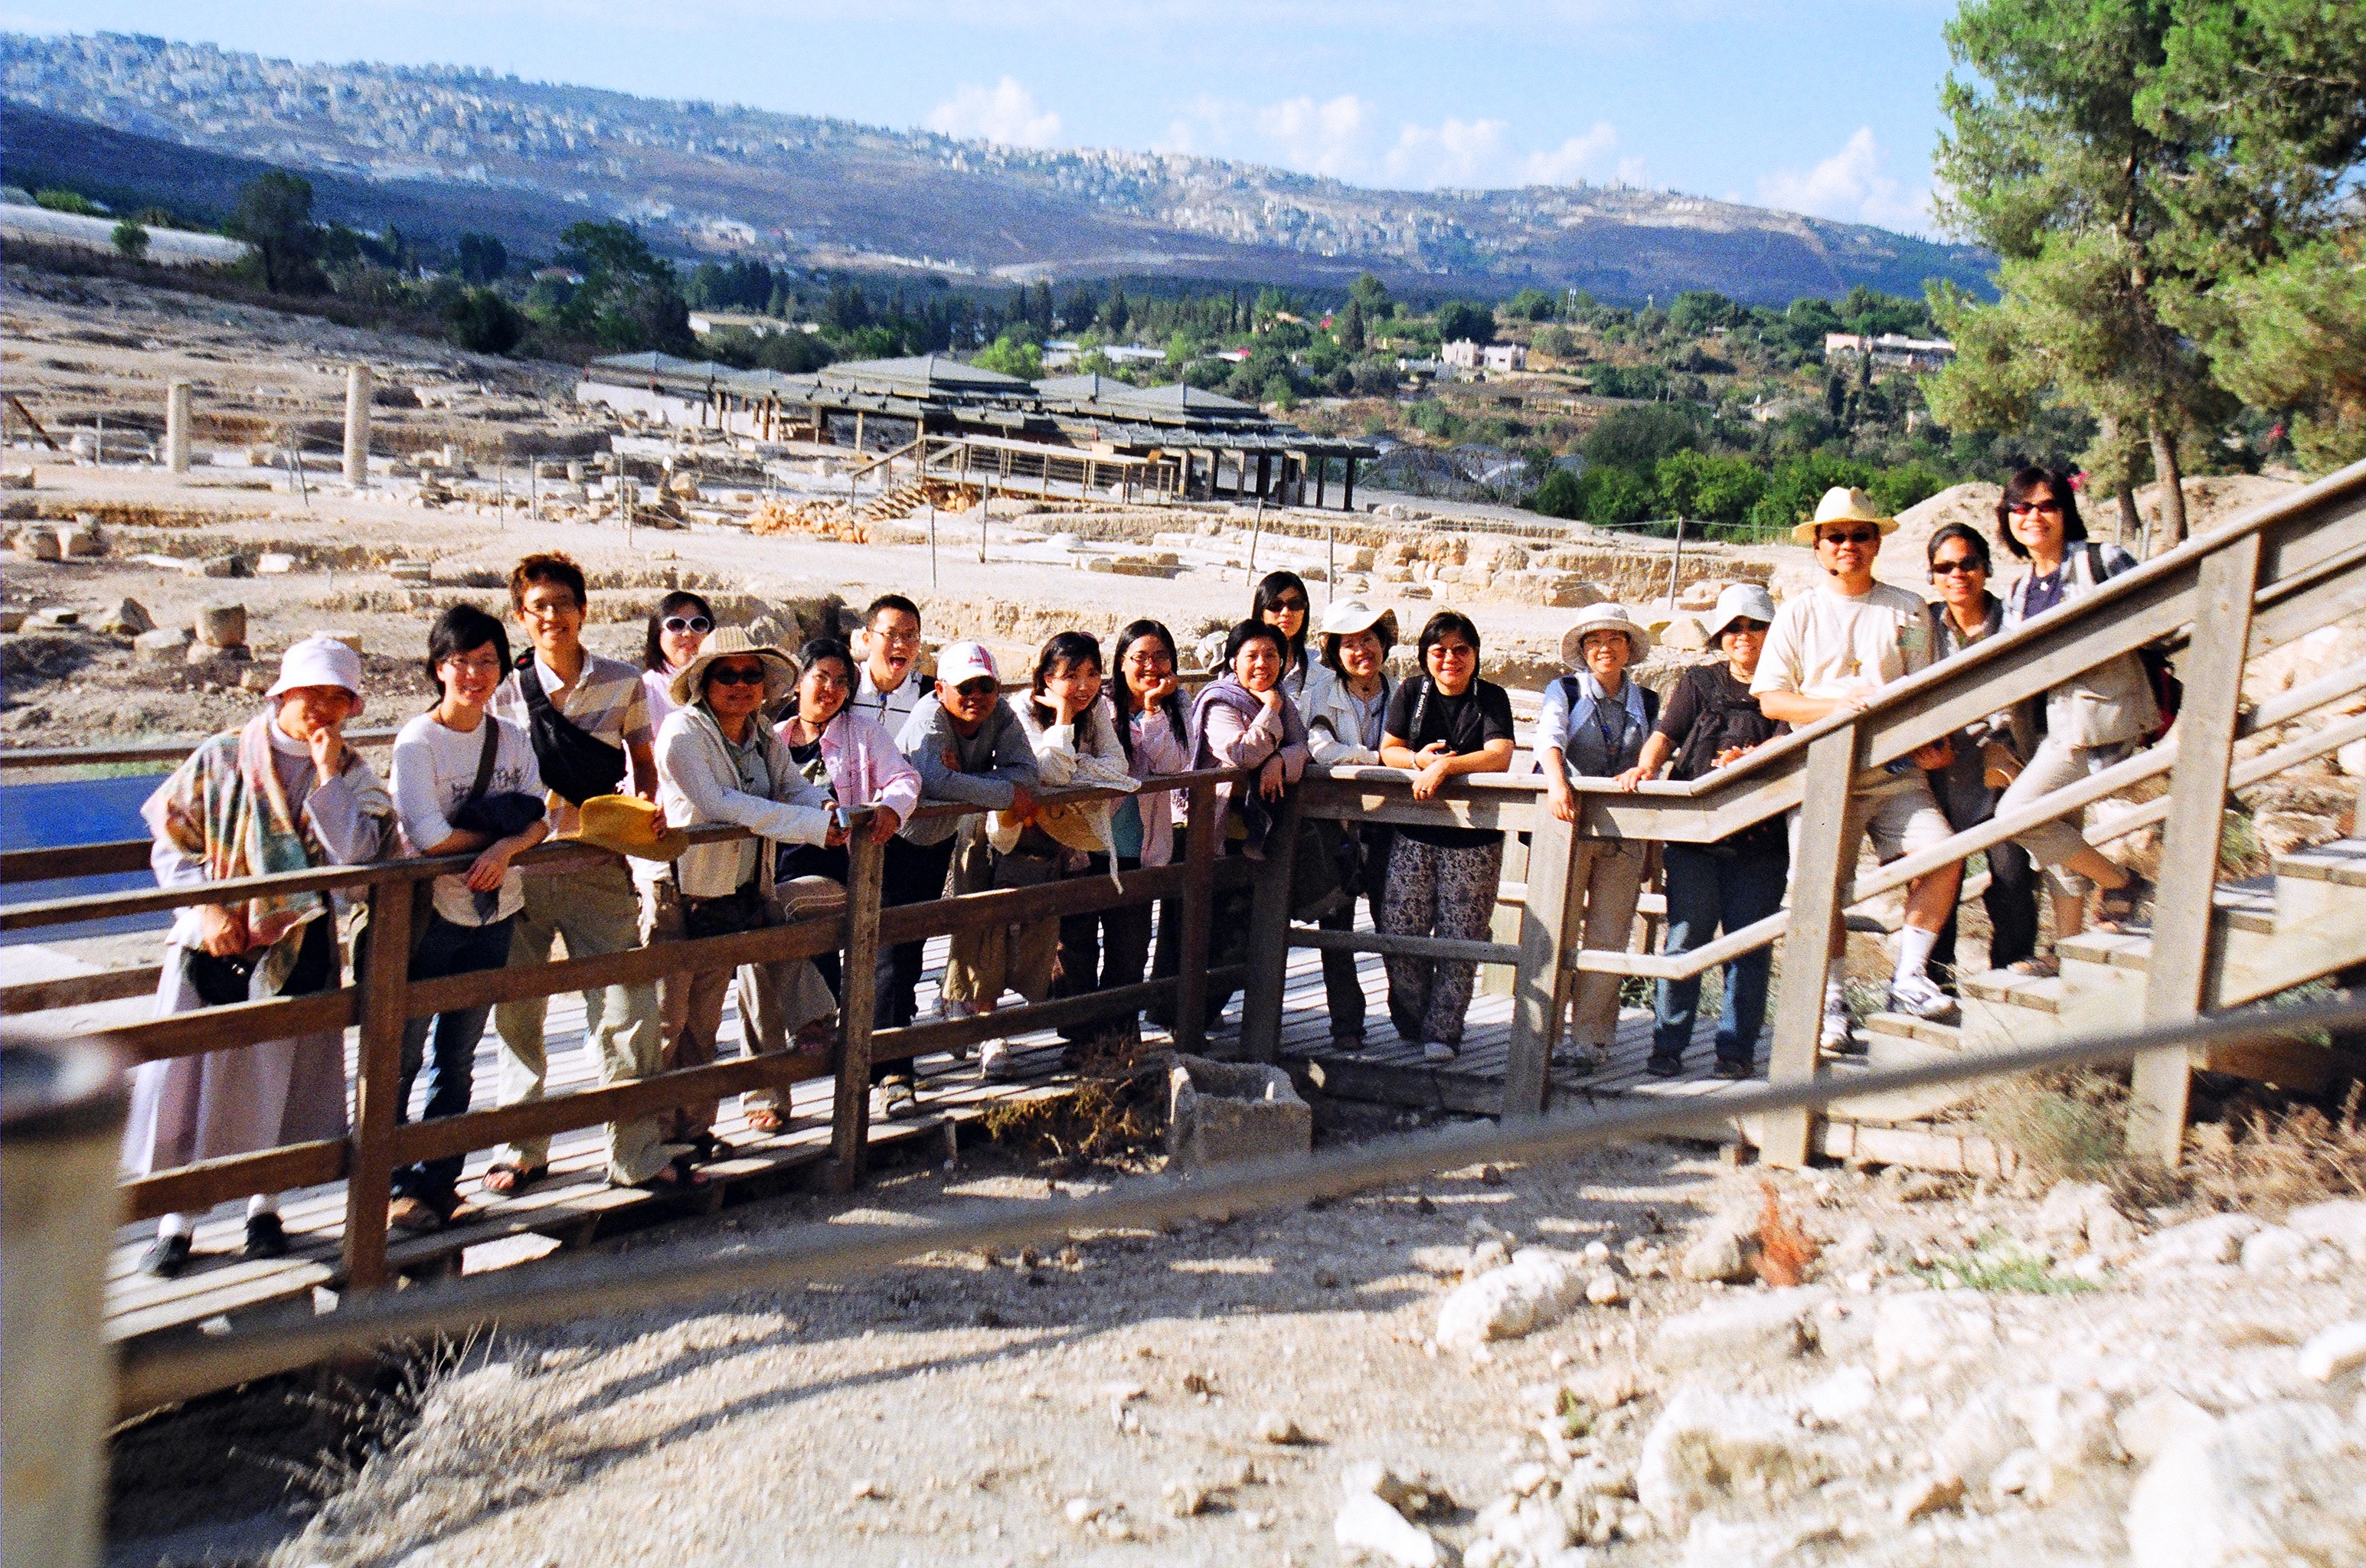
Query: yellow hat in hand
x: 630, y: 826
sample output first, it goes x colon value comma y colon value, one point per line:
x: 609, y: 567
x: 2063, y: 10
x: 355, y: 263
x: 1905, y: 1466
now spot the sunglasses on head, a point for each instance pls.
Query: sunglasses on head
x: 1853, y: 537
x: 678, y: 624
x: 736, y: 677
x: 1964, y: 566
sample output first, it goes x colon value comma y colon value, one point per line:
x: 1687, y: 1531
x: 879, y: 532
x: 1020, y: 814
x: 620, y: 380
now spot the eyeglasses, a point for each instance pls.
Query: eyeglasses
x: 735, y: 676
x: 680, y: 624
x: 2023, y: 508
x: 1965, y: 566
x: 1853, y: 537
x: 1149, y: 659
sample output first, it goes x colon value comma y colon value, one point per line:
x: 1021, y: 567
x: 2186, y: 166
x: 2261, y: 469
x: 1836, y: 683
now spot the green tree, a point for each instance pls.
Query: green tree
x: 132, y: 240
x: 1698, y: 310
x: 482, y: 321
x: 1351, y: 327
x: 1372, y: 295
x: 274, y: 215
x: 1616, y: 497
x: 58, y: 199
x: 2053, y: 165
x: 1012, y: 355
x: 482, y: 257
x: 1533, y: 305
x: 1459, y: 319
x: 1636, y: 439
x: 1559, y: 496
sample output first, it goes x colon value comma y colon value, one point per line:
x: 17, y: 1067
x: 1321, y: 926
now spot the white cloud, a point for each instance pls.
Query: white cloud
x: 1006, y: 112
x: 1347, y: 138
x: 1850, y: 186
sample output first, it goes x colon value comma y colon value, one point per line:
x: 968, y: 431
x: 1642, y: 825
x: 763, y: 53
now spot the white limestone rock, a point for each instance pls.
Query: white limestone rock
x: 1923, y: 1328
x: 2332, y: 1351
x: 2280, y: 1483
x: 1537, y: 1287
x: 2340, y: 1223
x: 2217, y: 1238
x: 1750, y: 1327
x: 1369, y: 1527
x: 1707, y: 1446
x: 1723, y: 1249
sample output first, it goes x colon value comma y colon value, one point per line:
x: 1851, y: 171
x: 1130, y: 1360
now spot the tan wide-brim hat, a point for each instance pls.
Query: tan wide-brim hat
x: 1603, y: 618
x: 1352, y: 615
x: 630, y: 826
x: 726, y: 642
x: 1841, y: 505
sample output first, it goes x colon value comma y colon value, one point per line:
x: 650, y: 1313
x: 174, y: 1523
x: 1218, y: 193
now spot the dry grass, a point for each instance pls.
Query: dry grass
x: 1117, y: 1111
x: 2263, y: 1156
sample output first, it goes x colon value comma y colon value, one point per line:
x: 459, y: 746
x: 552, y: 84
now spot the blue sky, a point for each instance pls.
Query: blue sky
x: 1829, y: 108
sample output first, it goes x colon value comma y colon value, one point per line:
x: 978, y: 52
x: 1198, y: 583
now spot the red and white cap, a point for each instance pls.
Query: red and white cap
x: 960, y: 662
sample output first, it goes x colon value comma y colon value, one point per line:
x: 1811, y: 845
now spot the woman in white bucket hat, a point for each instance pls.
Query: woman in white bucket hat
x: 283, y: 793
x: 1594, y: 725
x: 1345, y: 704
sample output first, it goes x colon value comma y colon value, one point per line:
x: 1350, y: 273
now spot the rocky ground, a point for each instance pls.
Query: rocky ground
x: 1559, y: 1366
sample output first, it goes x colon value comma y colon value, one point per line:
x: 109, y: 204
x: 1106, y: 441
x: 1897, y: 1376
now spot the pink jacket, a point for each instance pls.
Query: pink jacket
x: 1157, y: 749
x: 865, y: 768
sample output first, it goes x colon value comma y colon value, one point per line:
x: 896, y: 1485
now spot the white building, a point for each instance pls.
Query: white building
x: 1462, y: 354
x: 1890, y: 348
x: 1503, y: 357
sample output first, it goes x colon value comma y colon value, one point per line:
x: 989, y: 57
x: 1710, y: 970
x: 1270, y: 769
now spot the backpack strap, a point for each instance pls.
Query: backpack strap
x: 485, y: 757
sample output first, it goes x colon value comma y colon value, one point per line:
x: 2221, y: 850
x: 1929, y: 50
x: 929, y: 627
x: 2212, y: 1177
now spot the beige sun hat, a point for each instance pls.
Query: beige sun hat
x: 780, y: 671
x: 1352, y: 615
x: 1605, y: 617
x: 1841, y: 504
x: 1741, y: 602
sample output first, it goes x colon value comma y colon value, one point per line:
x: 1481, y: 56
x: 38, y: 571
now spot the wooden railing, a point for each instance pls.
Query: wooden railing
x: 382, y: 1000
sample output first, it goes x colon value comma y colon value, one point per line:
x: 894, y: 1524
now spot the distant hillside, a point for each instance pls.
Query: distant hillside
x: 456, y: 149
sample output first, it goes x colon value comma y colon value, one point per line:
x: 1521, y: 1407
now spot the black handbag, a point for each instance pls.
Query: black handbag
x: 224, y: 982
x: 574, y: 761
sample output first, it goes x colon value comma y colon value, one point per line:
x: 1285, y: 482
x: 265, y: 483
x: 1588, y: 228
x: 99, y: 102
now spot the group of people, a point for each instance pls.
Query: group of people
x: 803, y: 748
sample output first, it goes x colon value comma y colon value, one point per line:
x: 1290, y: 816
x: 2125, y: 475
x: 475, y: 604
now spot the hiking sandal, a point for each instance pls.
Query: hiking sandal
x: 677, y: 1176
x: 765, y: 1120
x: 507, y: 1180
x: 2117, y: 906
x: 2038, y: 966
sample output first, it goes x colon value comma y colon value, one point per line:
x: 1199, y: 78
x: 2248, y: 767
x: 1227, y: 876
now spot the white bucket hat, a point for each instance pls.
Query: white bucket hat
x: 1841, y: 505
x: 1739, y: 602
x: 320, y: 661
x: 1352, y: 615
x: 1603, y: 618
x: 728, y: 642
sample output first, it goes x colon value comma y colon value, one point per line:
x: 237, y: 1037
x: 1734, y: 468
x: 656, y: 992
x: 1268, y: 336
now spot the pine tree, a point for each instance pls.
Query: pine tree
x: 1351, y: 327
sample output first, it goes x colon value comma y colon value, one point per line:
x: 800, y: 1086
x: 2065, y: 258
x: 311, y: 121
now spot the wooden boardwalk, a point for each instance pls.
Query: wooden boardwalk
x: 577, y: 1205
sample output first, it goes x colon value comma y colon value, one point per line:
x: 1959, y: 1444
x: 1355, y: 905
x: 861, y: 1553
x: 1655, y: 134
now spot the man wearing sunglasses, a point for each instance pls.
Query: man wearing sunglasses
x: 1832, y: 651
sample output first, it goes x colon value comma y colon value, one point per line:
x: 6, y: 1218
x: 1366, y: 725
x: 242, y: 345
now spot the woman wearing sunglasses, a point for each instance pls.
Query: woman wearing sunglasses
x: 680, y: 619
x: 1984, y: 760
x: 2088, y: 722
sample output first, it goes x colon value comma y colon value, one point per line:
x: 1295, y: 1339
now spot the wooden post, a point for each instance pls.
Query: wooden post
x: 385, y: 966
x: 1190, y: 1030
x: 2176, y: 973
x: 857, y: 989
x: 1817, y: 873
x: 1347, y: 489
x: 1269, y: 936
x: 1541, y: 988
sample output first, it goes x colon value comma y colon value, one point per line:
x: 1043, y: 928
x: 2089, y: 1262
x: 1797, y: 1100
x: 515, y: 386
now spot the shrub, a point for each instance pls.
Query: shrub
x: 1013, y: 357
x: 1559, y: 496
x: 73, y: 201
x: 482, y: 321
x: 1616, y: 497
x: 132, y: 240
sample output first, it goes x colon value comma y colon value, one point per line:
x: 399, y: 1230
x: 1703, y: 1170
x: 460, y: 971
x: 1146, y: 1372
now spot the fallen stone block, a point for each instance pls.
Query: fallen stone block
x: 129, y: 618
x: 1231, y: 1113
x: 1925, y: 1327
x: 2277, y: 1483
x: 221, y: 626
x: 1536, y: 1288
x: 2340, y: 1222
x: 162, y: 646
x: 2217, y: 1238
x: 1366, y: 1525
x: 2332, y: 1351
x: 1706, y: 1447
x: 1753, y: 1327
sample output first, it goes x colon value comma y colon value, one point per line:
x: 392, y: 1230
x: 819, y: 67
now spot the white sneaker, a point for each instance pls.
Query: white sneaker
x: 947, y: 1010
x: 1838, y: 1037
x: 995, y: 1063
x: 893, y: 1100
x: 1439, y: 1051
x: 1918, y: 996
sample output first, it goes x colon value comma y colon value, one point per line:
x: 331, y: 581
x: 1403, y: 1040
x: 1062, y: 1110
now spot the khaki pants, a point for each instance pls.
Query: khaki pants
x: 775, y: 1001
x: 1607, y: 874
x: 598, y: 913
x: 981, y: 964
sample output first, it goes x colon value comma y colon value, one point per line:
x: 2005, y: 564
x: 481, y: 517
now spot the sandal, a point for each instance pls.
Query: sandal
x: 507, y: 1180
x: 2116, y: 907
x: 2038, y: 965
x: 706, y: 1147
x: 766, y: 1121
x: 678, y: 1175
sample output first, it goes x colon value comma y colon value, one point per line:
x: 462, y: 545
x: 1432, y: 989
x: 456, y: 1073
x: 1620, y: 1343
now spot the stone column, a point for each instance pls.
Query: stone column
x: 176, y: 427
x: 357, y: 405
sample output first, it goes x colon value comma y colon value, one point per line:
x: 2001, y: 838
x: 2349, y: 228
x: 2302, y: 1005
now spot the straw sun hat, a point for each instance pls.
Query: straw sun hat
x: 725, y: 642
x: 1603, y: 618
x: 1841, y: 505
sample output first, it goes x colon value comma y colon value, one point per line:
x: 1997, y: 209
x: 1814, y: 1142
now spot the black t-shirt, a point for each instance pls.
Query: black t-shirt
x: 1708, y: 693
x: 1419, y: 713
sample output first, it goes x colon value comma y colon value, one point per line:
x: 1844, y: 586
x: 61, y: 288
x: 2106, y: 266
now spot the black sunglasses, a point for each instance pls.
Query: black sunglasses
x: 1853, y: 537
x: 1964, y: 567
x: 698, y: 624
x: 736, y: 677
x: 2023, y: 508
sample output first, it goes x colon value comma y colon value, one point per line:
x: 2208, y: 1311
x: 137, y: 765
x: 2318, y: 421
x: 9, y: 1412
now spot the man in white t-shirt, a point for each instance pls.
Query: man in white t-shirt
x: 1834, y: 650
x: 890, y: 686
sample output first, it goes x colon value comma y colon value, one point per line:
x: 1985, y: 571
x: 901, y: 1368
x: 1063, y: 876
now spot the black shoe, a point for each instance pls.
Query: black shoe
x: 265, y: 1236
x: 1665, y: 1066
x: 168, y: 1258
x: 1734, y: 1067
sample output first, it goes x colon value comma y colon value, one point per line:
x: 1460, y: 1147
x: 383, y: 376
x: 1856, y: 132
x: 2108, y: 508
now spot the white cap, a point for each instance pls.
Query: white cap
x: 318, y: 662
x: 960, y: 662
x: 1739, y: 602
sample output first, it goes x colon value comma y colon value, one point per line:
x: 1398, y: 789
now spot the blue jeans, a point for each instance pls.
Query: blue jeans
x: 1706, y: 890
x: 446, y: 949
